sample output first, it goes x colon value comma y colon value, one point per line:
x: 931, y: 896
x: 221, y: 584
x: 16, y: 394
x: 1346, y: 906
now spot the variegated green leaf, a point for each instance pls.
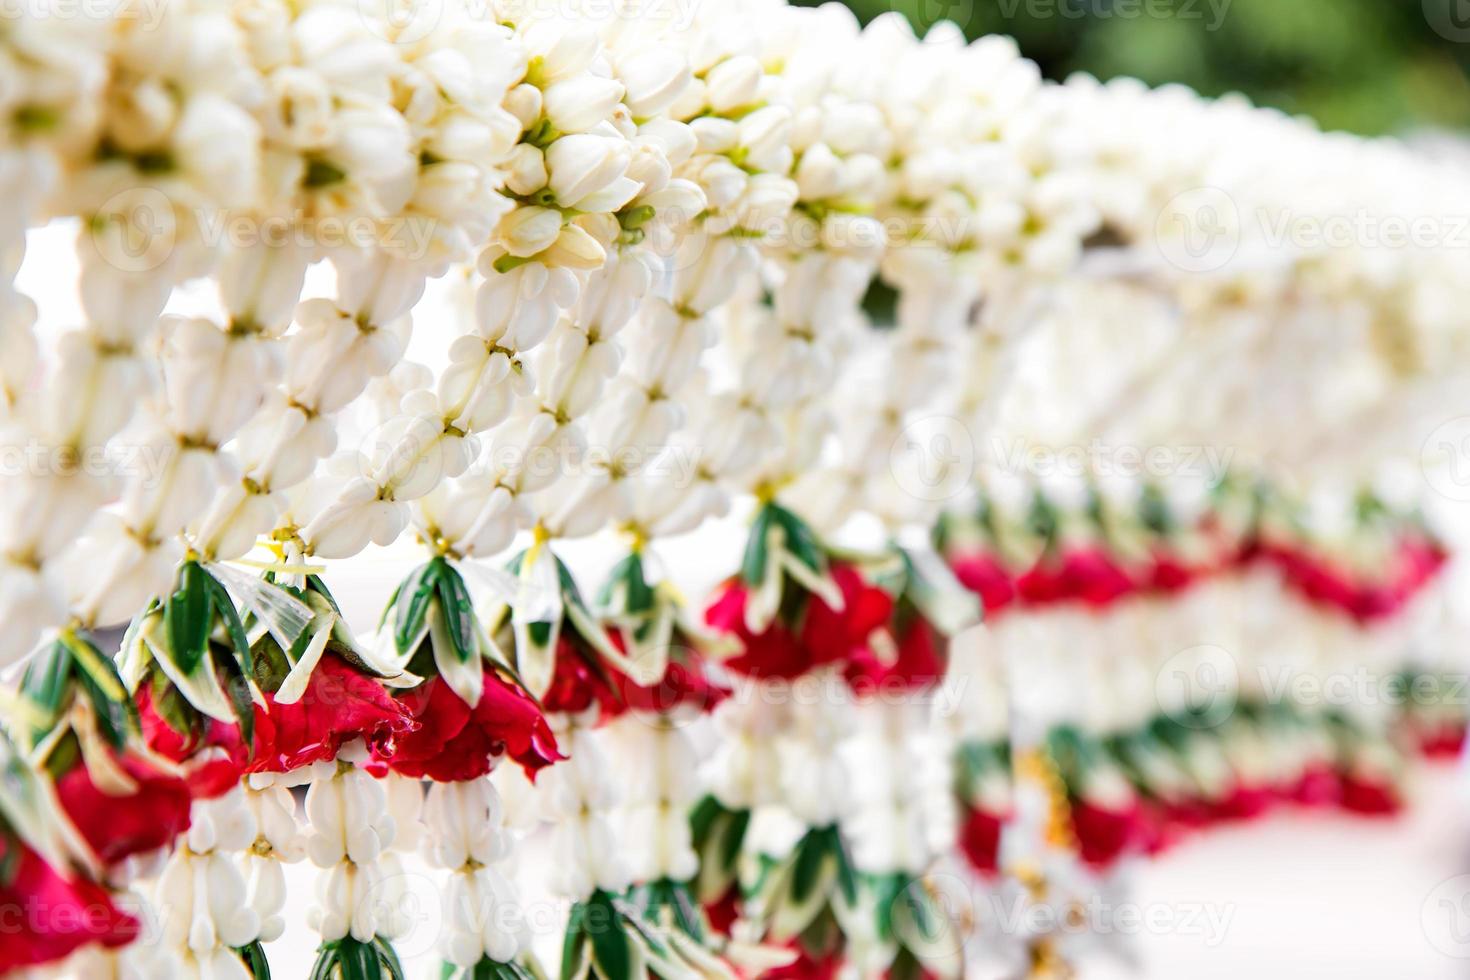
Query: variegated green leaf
x: 187, y: 615
x: 411, y: 606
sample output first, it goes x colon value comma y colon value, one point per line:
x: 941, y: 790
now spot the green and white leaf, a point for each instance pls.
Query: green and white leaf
x: 465, y: 676
x: 200, y: 685
x: 285, y: 616
x: 294, y: 686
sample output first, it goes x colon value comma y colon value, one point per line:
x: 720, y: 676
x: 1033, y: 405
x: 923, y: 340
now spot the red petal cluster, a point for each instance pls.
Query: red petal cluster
x: 47, y: 916
x: 456, y: 743
x: 213, y: 755
x: 823, y: 636
x: 117, y: 827
x: 340, y: 704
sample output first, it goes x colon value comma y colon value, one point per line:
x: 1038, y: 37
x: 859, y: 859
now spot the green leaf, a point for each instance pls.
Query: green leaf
x: 411, y: 604
x: 753, y: 564
x: 10, y: 858
x: 44, y: 684
x: 686, y: 913
x: 360, y: 960
x: 612, y: 953
x: 112, y: 715
x: 186, y: 618
x: 224, y: 607
x: 573, y: 948
x: 846, y: 876
x: 638, y: 595
x: 734, y: 837
x: 800, y: 540
x: 807, y: 863
x: 388, y: 956
x: 237, y: 689
x: 459, y: 613
x: 392, y: 605
x: 315, y: 584
x: 327, y: 958
x: 254, y: 957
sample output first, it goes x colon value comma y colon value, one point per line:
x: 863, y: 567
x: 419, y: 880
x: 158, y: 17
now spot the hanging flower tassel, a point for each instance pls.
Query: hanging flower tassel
x: 202, y: 886
x: 797, y: 611
x: 47, y: 864
x: 484, y: 936
x: 470, y: 712
x: 655, y: 739
x: 901, y: 763
x: 278, y: 841
x: 190, y: 663
x: 124, y: 799
x: 357, y: 912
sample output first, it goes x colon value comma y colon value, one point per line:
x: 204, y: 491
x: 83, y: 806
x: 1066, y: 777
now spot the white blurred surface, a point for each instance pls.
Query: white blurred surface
x: 1320, y: 896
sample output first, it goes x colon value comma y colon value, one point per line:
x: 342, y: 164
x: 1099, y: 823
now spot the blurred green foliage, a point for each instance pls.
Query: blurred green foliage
x: 1370, y: 66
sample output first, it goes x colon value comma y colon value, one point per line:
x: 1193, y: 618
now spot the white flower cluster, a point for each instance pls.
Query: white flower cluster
x: 350, y: 835
x: 1325, y: 219
x: 582, y: 798
x: 209, y: 912
x: 664, y: 783
x: 467, y: 835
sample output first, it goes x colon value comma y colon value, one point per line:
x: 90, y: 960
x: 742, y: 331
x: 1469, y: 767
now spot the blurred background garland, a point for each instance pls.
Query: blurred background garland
x: 1368, y: 66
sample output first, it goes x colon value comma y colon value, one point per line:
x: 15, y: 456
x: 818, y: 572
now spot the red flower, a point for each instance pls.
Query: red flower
x: 723, y: 912
x: 808, y: 965
x: 774, y: 653
x: 577, y: 685
x: 832, y: 636
x: 213, y: 755
x: 456, y: 743
x: 45, y: 917
x: 340, y: 704
x: 1317, y: 579
x: 1105, y: 834
x: 1160, y: 832
x: 1370, y: 797
x: 1167, y: 573
x: 824, y: 636
x: 918, y: 666
x: 1185, y: 813
x: 1086, y: 575
x: 1445, y: 741
x: 985, y: 576
x: 1317, y: 786
x: 117, y: 827
x: 980, y: 839
x: 686, y: 684
x: 1243, y: 802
